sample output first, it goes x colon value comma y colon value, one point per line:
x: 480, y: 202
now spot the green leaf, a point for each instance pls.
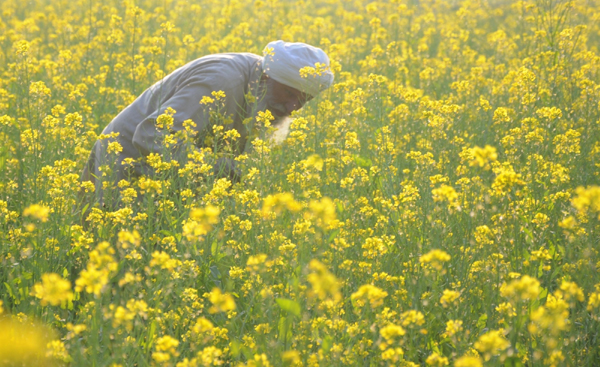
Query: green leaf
x: 83, y: 211
x: 513, y: 361
x: 333, y: 235
x: 288, y: 305
x: 10, y: 291
x: 541, y: 297
x: 528, y: 233
x: 327, y: 344
x: 151, y: 335
x: 362, y: 161
x: 482, y: 322
x: 235, y: 348
x: 215, y: 275
x: 285, y: 328
x: 214, y: 248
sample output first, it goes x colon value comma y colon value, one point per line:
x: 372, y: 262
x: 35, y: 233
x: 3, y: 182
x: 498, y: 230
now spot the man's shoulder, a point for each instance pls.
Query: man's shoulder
x: 224, y: 71
x: 235, y: 59
x: 247, y: 56
x: 224, y: 65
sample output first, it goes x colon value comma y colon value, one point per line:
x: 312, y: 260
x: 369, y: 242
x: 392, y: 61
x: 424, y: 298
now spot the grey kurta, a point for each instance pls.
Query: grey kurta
x: 236, y: 74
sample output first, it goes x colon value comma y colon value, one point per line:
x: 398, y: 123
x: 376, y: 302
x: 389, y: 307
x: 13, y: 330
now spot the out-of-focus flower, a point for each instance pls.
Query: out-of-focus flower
x: 587, y: 200
x: 445, y: 193
x: 23, y: 343
x: 201, y: 222
x: 322, y: 211
x: 392, y: 332
x: 166, y: 349
x: 492, y: 343
x: 482, y: 157
x: 53, y: 290
x: 56, y: 349
x: 523, y: 289
x: 276, y: 203
x: 436, y: 360
x: 412, y: 318
x: 37, y: 211
x: 468, y: 361
x: 453, y: 327
x: 435, y: 259
x: 291, y: 358
x: 370, y: 294
x: 221, y: 302
x: 448, y: 297
x: 324, y: 285
x: 506, y: 179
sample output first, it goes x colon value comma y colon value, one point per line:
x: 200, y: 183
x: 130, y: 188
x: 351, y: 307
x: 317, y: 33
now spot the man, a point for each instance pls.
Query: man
x: 251, y: 84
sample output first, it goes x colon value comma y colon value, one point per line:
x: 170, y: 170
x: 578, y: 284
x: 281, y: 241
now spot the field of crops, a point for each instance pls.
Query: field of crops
x: 439, y: 205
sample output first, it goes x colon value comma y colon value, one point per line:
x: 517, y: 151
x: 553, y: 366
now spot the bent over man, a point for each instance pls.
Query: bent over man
x: 250, y: 83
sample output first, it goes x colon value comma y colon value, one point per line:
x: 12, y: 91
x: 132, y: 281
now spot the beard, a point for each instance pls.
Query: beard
x: 282, y: 129
x: 278, y: 121
x: 277, y: 110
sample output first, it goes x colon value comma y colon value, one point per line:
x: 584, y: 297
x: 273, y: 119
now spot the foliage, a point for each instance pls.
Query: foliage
x: 438, y: 205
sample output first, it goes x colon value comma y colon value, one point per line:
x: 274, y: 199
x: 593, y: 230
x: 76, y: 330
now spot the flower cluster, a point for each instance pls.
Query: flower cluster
x: 437, y: 206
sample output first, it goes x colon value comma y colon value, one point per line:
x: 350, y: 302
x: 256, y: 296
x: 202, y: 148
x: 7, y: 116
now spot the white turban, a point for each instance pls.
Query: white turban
x: 283, y: 61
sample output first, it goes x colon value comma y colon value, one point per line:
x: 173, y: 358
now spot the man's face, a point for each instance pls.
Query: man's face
x: 282, y: 100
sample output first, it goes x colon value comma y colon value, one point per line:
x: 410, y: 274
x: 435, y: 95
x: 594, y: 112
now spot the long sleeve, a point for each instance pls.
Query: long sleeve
x: 147, y: 138
x: 182, y: 90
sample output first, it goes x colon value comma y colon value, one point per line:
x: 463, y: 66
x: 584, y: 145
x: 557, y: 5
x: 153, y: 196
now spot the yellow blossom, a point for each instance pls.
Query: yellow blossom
x: 276, y: 203
x: 370, y: 294
x: 323, y: 211
x: 210, y: 356
x: 221, y: 302
x: 435, y: 259
x: 482, y: 157
x: 448, y: 297
x: 325, y: 285
x: 92, y: 280
x: 412, y: 317
x: 571, y: 290
x: 445, y: 193
x: 290, y: 358
x: 436, y: 360
x: 201, y: 222
x: 453, y: 327
x: 23, y: 343
x: 492, y: 343
x: 587, y: 200
x: 259, y: 360
x: 468, y: 361
x: 166, y: 348
x: 392, y: 332
x: 56, y: 349
x: 53, y: 290
x: 523, y: 289
x: 37, y: 211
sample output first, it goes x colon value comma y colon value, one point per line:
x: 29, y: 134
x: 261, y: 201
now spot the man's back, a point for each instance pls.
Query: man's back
x: 249, y: 84
x: 182, y: 90
x: 235, y: 74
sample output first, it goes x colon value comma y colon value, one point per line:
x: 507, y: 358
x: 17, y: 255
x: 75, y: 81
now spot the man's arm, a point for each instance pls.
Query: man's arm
x: 186, y: 103
x: 148, y: 138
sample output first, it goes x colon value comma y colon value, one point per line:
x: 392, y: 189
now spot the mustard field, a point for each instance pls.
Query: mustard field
x: 439, y: 205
